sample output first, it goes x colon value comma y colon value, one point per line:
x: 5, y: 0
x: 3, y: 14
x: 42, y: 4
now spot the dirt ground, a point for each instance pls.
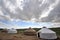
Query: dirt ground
x: 20, y: 36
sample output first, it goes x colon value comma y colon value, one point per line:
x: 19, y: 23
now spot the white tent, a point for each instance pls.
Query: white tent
x: 12, y: 30
x: 46, y: 33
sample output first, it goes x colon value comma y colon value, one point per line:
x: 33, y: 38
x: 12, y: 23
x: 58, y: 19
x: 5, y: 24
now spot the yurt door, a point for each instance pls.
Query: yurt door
x: 38, y: 35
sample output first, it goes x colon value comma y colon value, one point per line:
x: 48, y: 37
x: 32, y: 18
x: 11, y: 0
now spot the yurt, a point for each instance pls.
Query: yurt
x: 30, y: 31
x: 4, y: 30
x: 12, y: 30
x: 46, y: 33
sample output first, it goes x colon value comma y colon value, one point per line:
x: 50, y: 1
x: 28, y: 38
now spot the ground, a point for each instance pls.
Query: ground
x: 19, y: 36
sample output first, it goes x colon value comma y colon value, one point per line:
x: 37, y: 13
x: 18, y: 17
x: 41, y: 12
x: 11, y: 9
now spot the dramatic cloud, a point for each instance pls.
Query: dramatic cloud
x: 30, y: 10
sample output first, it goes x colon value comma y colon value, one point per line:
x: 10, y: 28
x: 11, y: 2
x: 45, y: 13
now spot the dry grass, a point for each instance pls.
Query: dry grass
x: 20, y: 36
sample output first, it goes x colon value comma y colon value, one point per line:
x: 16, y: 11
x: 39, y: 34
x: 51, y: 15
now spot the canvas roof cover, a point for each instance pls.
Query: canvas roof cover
x: 46, y: 33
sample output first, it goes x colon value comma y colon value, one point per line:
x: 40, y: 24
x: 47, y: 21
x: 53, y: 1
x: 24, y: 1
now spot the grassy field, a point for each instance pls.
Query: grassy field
x: 57, y: 30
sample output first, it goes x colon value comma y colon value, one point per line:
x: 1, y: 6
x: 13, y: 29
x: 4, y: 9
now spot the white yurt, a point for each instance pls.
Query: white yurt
x: 46, y: 33
x: 12, y: 30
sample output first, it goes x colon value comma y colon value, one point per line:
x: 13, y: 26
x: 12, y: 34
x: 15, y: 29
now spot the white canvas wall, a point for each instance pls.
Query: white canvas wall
x: 46, y: 33
x: 12, y: 31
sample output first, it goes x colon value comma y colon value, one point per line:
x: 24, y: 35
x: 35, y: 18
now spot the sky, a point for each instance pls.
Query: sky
x: 29, y: 13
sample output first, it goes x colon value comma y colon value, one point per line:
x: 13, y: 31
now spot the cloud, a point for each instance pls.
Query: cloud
x: 30, y: 10
x: 46, y: 12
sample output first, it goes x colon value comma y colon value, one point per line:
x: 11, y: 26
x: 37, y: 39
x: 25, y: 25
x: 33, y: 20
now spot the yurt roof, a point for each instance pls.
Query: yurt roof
x: 46, y: 30
x: 30, y: 30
